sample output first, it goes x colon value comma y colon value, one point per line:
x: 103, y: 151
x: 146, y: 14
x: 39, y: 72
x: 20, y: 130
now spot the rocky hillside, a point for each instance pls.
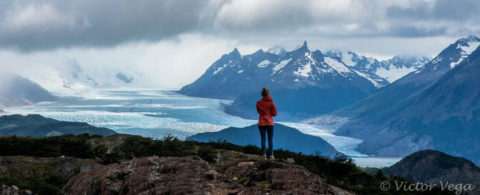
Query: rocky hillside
x: 235, y: 173
x: 125, y: 164
x: 39, y: 175
x: 434, y: 167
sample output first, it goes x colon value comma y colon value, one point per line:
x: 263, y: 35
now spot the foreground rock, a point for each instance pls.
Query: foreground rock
x: 36, y: 175
x: 13, y: 190
x: 235, y: 173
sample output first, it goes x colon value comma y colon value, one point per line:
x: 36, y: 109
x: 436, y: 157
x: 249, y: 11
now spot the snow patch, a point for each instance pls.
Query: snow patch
x: 281, y: 65
x: 339, y: 67
x: 466, y: 51
x: 377, y: 85
x: 347, y: 58
x: 453, y: 64
x: 304, y: 71
x: 437, y: 60
x: 393, y: 73
x: 219, y: 69
x: 264, y: 64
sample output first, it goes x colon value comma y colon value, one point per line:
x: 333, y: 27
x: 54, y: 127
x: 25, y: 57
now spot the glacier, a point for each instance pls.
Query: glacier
x: 158, y: 113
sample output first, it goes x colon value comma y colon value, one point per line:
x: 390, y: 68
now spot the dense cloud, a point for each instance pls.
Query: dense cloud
x: 40, y: 24
x: 50, y: 24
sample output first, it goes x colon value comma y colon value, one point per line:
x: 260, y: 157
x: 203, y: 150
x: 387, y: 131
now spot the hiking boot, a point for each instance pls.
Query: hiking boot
x: 264, y: 157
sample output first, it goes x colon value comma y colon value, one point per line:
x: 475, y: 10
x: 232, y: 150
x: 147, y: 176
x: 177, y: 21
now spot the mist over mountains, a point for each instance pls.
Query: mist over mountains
x: 19, y: 91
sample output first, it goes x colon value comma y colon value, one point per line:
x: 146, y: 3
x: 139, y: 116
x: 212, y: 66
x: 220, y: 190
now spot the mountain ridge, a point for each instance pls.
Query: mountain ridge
x: 35, y: 125
x: 285, y: 138
x: 324, y: 80
x: 441, y: 113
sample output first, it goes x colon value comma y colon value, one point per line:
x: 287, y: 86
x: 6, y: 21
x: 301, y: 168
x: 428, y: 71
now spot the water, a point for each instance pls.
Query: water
x: 376, y: 162
x: 157, y: 113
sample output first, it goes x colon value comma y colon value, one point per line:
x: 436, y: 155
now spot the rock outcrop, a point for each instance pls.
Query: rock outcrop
x: 235, y: 173
x: 13, y: 190
x: 36, y: 175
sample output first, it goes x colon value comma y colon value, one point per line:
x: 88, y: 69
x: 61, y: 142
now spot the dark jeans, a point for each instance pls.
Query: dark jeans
x: 269, y: 130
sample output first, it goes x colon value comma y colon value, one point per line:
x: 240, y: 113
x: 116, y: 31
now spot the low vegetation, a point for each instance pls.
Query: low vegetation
x: 341, y: 171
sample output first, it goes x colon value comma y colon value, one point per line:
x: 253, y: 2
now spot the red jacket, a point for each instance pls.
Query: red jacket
x: 266, y: 111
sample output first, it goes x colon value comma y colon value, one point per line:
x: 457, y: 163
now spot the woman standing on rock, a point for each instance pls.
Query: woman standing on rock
x: 266, y: 111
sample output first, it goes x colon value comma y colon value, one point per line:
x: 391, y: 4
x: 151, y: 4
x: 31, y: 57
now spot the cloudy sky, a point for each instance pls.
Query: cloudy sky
x: 169, y: 43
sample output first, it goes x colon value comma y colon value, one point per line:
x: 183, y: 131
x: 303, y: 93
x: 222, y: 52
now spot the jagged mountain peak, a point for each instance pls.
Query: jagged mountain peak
x: 302, y: 49
x: 453, y: 55
x: 235, y: 52
x: 305, y: 44
x: 260, y: 51
x: 468, y: 39
x: 467, y: 45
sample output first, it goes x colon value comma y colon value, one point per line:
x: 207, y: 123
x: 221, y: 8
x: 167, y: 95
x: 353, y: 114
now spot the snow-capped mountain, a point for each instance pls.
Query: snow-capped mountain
x: 383, y: 72
x: 414, y: 81
x: 451, y: 56
x: 455, y: 53
x: 325, y: 82
x: 233, y: 74
x: 399, y: 66
x: 435, y: 107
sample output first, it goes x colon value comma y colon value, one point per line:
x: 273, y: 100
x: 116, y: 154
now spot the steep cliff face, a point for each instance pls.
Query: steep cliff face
x: 234, y: 173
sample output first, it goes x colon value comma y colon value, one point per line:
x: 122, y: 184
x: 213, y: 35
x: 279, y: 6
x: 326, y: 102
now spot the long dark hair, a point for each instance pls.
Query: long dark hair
x: 265, y: 92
